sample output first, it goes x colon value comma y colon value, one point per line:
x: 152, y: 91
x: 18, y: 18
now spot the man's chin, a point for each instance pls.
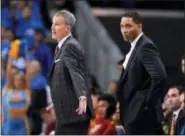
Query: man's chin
x: 125, y: 39
x: 54, y: 37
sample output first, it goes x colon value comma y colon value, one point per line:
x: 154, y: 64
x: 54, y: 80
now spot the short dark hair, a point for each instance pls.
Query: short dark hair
x: 111, y: 104
x: 180, y: 88
x: 134, y: 15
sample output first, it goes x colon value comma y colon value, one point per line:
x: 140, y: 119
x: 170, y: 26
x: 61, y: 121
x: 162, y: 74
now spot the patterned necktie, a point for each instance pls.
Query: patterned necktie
x: 172, y: 129
x: 56, y: 50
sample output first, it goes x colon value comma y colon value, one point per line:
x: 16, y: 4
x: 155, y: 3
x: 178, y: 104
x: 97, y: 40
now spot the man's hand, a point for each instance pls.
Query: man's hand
x: 49, y: 108
x: 48, y: 114
x: 82, y: 106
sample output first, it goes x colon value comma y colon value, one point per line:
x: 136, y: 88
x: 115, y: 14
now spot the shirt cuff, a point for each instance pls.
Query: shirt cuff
x: 82, y: 97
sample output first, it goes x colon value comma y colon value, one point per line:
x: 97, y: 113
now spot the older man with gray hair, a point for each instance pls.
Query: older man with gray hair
x: 68, y: 79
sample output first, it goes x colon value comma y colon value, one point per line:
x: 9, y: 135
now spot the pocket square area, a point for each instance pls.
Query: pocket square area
x: 57, y: 60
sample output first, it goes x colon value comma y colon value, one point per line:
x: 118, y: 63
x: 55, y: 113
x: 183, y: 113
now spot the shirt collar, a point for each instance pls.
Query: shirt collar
x: 176, y: 113
x: 133, y: 43
x: 62, y: 41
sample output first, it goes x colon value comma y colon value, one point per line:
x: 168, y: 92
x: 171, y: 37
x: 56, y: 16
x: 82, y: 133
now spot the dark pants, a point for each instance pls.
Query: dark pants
x: 78, y: 128
x: 147, y: 124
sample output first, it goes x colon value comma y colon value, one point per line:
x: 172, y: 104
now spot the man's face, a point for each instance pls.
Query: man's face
x: 129, y: 29
x: 39, y: 36
x: 27, y: 13
x: 102, y: 108
x: 174, y: 98
x: 59, y: 28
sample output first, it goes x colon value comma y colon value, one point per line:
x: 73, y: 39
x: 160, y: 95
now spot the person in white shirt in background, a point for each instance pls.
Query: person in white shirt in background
x: 175, y: 104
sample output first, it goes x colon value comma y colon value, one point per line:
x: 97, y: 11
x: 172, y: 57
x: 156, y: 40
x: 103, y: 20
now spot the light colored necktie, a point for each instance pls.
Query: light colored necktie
x: 172, y: 129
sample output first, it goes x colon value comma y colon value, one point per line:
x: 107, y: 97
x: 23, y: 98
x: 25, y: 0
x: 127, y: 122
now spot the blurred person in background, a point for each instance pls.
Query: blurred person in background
x: 16, y: 101
x: 142, y: 81
x: 112, y: 88
x: 3, y: 74
x: 69, y: 72
x: 39, y: 96
x: 166, y: 107
x: 34, y: 5
x: 15, y: 50
x: 103, y: 124
x: 182, y: 99
x: 7, y: 38
x: 8, y: 11
x: 95, y: 93
x: 25, y: 26
x: 116, y: 119
x: 41, y: 51
x: 177, y: 117
x: 183, y: 64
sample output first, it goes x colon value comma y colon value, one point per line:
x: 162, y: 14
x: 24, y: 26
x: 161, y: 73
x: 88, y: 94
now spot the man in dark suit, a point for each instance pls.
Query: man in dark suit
x: 142, y: 80
x: 176, y: 119
x: 69, y: 79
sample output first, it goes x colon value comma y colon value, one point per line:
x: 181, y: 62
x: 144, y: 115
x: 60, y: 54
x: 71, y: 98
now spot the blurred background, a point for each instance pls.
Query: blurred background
x: 26, y: 46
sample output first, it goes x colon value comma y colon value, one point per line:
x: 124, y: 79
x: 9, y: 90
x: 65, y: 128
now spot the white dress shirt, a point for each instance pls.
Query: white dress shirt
x: 60, y: 43
x: 133, y: 44
x: 176, y: 113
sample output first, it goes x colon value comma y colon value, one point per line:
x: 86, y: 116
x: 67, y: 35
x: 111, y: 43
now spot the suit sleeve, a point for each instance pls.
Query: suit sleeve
x: 154, y: 66
x: 75, y: 62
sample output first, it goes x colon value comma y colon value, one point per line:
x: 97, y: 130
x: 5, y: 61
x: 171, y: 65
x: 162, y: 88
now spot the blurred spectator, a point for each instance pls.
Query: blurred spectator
x: 95, y: 93
x: 116, y: 119
x: 39, y: 97
x: 34, y: 6
x: 183, y: 64
x: 25, y: 27
x: 16, y: 101
x: 9, y: 11
x: 182, y: 99
x: 177, y: 117
x: 3, y: 76
x: 41, y: 51
x: 7, y: 37
x: 112, y: 88
x: 103, y: 124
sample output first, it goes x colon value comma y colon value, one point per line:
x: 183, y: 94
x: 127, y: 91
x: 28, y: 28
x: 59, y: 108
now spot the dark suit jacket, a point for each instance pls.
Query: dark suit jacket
x: 179, y: 122
x: 142, y: 82
x: 68, y: 81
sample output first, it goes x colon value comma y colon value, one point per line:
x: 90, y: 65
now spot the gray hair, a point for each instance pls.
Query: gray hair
x: 69, y: 18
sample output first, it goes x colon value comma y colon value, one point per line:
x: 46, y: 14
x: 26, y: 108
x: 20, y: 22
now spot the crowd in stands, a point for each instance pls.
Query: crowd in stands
x: 26, y: 60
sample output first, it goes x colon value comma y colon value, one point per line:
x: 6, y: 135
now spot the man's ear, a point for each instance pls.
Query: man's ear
x: 140, y: 26
x: 68, y: 28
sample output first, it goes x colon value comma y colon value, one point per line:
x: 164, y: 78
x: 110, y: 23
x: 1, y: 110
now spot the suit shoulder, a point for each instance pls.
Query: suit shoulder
x: 74, y: 44
x: 147, y: 43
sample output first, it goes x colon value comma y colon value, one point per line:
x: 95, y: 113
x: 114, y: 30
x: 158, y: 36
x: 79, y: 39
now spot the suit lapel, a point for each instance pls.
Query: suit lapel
x: 131, y: 58
x: 58, y: 54
x: 178, y: 121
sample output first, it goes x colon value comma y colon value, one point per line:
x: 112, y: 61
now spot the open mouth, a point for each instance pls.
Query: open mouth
x: 54, y: 33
